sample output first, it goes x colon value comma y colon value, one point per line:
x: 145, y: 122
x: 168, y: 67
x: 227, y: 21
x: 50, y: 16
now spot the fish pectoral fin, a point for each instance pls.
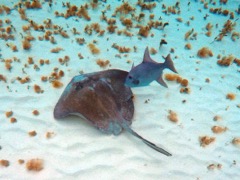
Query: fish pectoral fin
x: 132, y: 66
x: 150, y: 144
x: 160, y: 81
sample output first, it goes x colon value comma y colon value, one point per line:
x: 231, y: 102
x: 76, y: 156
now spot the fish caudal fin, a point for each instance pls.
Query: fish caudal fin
x: 150, y: 144
x: 169, y: 63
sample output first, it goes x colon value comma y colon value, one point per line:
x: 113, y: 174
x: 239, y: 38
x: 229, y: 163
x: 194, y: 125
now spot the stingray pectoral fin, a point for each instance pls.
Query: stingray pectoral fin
x: 150, y: 144
x: 160, y: 81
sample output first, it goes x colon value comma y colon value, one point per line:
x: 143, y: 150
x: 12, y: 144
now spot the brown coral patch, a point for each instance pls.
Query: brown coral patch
x: 57, y: 84
x: 32, y: 133
x: 226, y: 61
x: 93, y: 48
x: 37, y: 89
x: 26, y: 44
x: 231, y: 96
x: 103, y: 63
x: 4, y: 163
x: 204, y: 52
x: 172, y: 116
x: 35, y: 112
x: 218, y: 129
x: 206, y: 140
x: 34, y: 165
x: 184, y: 82
x: 3, y: 78
x: 8, y: 114
x: 13, y: 120
x: 56, y: 50
x: 188, y: 46
x: 236, y: 141
x: 144, y: 31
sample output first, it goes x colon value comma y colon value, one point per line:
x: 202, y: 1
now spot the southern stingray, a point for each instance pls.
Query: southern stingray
x: 104, y: 100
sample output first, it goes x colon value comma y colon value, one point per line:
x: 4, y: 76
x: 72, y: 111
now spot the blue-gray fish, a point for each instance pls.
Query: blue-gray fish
x: 148, y: 71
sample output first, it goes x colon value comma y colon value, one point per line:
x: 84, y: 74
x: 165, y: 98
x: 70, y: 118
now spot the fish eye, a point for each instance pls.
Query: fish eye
x: 129, y: 77
x: 136, y: 82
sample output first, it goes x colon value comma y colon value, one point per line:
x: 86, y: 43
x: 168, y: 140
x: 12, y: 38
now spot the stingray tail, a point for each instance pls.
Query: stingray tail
x: 169, y: 63
x: 150, y: 144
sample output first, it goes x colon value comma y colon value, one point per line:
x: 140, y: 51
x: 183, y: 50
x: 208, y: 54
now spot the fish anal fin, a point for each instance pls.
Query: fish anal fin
x: 161, y: 81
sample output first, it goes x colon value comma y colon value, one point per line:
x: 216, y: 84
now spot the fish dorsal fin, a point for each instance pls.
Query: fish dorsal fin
x: 146, y: 57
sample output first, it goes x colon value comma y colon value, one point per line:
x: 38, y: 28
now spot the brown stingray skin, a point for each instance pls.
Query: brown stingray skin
x: 100, y: 97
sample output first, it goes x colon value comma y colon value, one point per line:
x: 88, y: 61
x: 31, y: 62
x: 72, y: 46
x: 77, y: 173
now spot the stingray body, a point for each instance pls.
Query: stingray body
x: 102, y: 99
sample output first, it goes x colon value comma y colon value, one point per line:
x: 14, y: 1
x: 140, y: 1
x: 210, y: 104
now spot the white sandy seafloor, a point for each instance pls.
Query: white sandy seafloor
x: 77, y: 150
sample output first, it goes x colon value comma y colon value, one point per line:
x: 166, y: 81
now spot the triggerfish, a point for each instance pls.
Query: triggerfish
x: 148, y: 71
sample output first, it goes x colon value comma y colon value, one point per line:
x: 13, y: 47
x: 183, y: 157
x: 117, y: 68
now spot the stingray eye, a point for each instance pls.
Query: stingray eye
x: 136, y: 82
x: 78, y: 86
x: 129, y: 77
